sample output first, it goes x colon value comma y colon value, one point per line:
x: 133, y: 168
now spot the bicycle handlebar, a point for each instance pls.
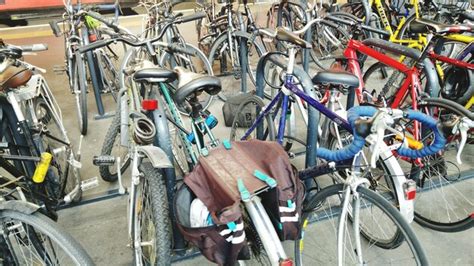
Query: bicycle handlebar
x: 109, y: 23
x: 461, y: 126
x: 376, y: 126
x: 138, y: 43
x: 192, y: 17
x: 359, y: 24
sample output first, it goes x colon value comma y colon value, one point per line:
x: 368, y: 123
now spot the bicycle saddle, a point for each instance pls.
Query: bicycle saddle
x: 154, y: 75
x: 287, y: 36
x: 192, y: 84
x: 336, y: 78
x: 421, y: 25
x: 14, y: 77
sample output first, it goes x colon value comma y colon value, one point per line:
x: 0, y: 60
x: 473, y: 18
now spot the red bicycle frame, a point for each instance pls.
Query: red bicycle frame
x: 411, y: 85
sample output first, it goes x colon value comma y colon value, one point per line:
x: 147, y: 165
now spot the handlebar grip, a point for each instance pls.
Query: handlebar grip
x: 95, y: 45
x: 357, y: 144
x: 55, y: 28
x: 192, y: 17
x: 176, y: 48
x: 434, y: 147
x: 107, y: 22
x: 37, y: 47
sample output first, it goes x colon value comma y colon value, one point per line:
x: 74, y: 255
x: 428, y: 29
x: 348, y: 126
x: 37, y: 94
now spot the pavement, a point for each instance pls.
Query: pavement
x: 102, y: 227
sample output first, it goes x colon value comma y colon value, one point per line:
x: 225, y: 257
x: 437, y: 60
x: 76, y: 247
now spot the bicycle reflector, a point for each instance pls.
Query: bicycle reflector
x: 149, y: 104
x: 409, y: 188
x: 287, y: 262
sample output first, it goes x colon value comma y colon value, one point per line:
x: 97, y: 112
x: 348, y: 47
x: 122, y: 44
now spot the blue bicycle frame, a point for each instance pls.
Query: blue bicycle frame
x: 290, y: 86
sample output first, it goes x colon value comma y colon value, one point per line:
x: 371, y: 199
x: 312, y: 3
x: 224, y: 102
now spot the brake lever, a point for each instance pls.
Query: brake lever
x: 462, y: 127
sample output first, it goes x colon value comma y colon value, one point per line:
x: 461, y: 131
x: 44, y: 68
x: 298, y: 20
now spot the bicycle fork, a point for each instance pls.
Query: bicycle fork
x: 351, y: 195
x: 266, y: 231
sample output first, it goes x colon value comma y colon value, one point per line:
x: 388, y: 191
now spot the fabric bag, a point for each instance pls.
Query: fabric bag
x: 214, y: 182
x: 218, y: 243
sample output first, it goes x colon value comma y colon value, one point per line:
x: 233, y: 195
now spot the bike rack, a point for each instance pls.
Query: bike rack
x: 100, y: 105
x: 308, y: 87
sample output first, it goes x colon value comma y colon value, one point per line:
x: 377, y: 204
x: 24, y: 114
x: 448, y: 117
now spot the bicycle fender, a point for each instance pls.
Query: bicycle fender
x: 20, y: 206
x: 156, y: 155
x: 406, y: 207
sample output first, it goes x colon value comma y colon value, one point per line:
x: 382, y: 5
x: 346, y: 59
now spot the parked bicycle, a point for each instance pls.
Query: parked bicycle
x: 32, y: 125
x: 79, y: 29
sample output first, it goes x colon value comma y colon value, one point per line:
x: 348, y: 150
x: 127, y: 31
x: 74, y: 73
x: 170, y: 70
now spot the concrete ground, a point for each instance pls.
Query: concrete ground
x: 102, y: 227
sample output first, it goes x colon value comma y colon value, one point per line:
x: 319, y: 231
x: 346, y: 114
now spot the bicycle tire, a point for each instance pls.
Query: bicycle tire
x: 108, y: 73
x: 320, y: 33
x: 154, y: 186
x: 80, y: 92
x: 375, y: 184
x: 443, y: 195
x: 216, y: 55
x: 110, y: 141
x: 205, y: 99
x: 180, y: 144
x: 458, y: 84
x: 323, y: 197
x: 40, y: 224
x: 388, y: 84
x: 268, y: 131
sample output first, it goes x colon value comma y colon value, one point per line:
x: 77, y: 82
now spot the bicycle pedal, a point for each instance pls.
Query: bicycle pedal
x: 103, y: 160
x: 90, y: 183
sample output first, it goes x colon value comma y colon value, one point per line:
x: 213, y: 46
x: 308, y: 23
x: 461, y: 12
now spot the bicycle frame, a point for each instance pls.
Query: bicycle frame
x: 406, y: 206
x: 411, y: 85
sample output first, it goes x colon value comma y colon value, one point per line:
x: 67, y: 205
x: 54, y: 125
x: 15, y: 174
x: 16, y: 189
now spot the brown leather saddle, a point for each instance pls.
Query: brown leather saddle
x: 14, y: 77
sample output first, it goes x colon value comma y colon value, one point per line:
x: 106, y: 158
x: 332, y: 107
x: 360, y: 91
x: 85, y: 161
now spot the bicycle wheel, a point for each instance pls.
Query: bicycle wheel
x: 384, y: 83
x: 444, y: 199
x: 381, y: 182
x: 196, y: 63
x: 181, y: 146
x: 224, y: 58
x: 151, y: 227
x: 80, y: 93
x: 112, y: 147
x: 33, y: 239
x: 63, y: 177
x: 320, y: 220
x: 329, y: 41
x: 108, y: 71
x: 245, y: 116
x: 458, y: 82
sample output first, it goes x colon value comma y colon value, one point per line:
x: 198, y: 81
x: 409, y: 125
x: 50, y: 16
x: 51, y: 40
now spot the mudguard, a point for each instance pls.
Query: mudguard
x: 156, y: 155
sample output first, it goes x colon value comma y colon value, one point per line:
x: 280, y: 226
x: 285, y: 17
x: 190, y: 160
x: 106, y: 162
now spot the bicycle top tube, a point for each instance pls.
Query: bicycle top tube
x: 319, y: 106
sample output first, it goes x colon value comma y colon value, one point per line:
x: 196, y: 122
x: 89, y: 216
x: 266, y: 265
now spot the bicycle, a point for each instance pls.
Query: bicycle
x: 80, y: 28
x: 394, y: 177
x: 328, y: 39
x: 197, y: 62
x: 234, y: 52
x: 30, y: 238
x: 33, y: 125
x: 136, y: 125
